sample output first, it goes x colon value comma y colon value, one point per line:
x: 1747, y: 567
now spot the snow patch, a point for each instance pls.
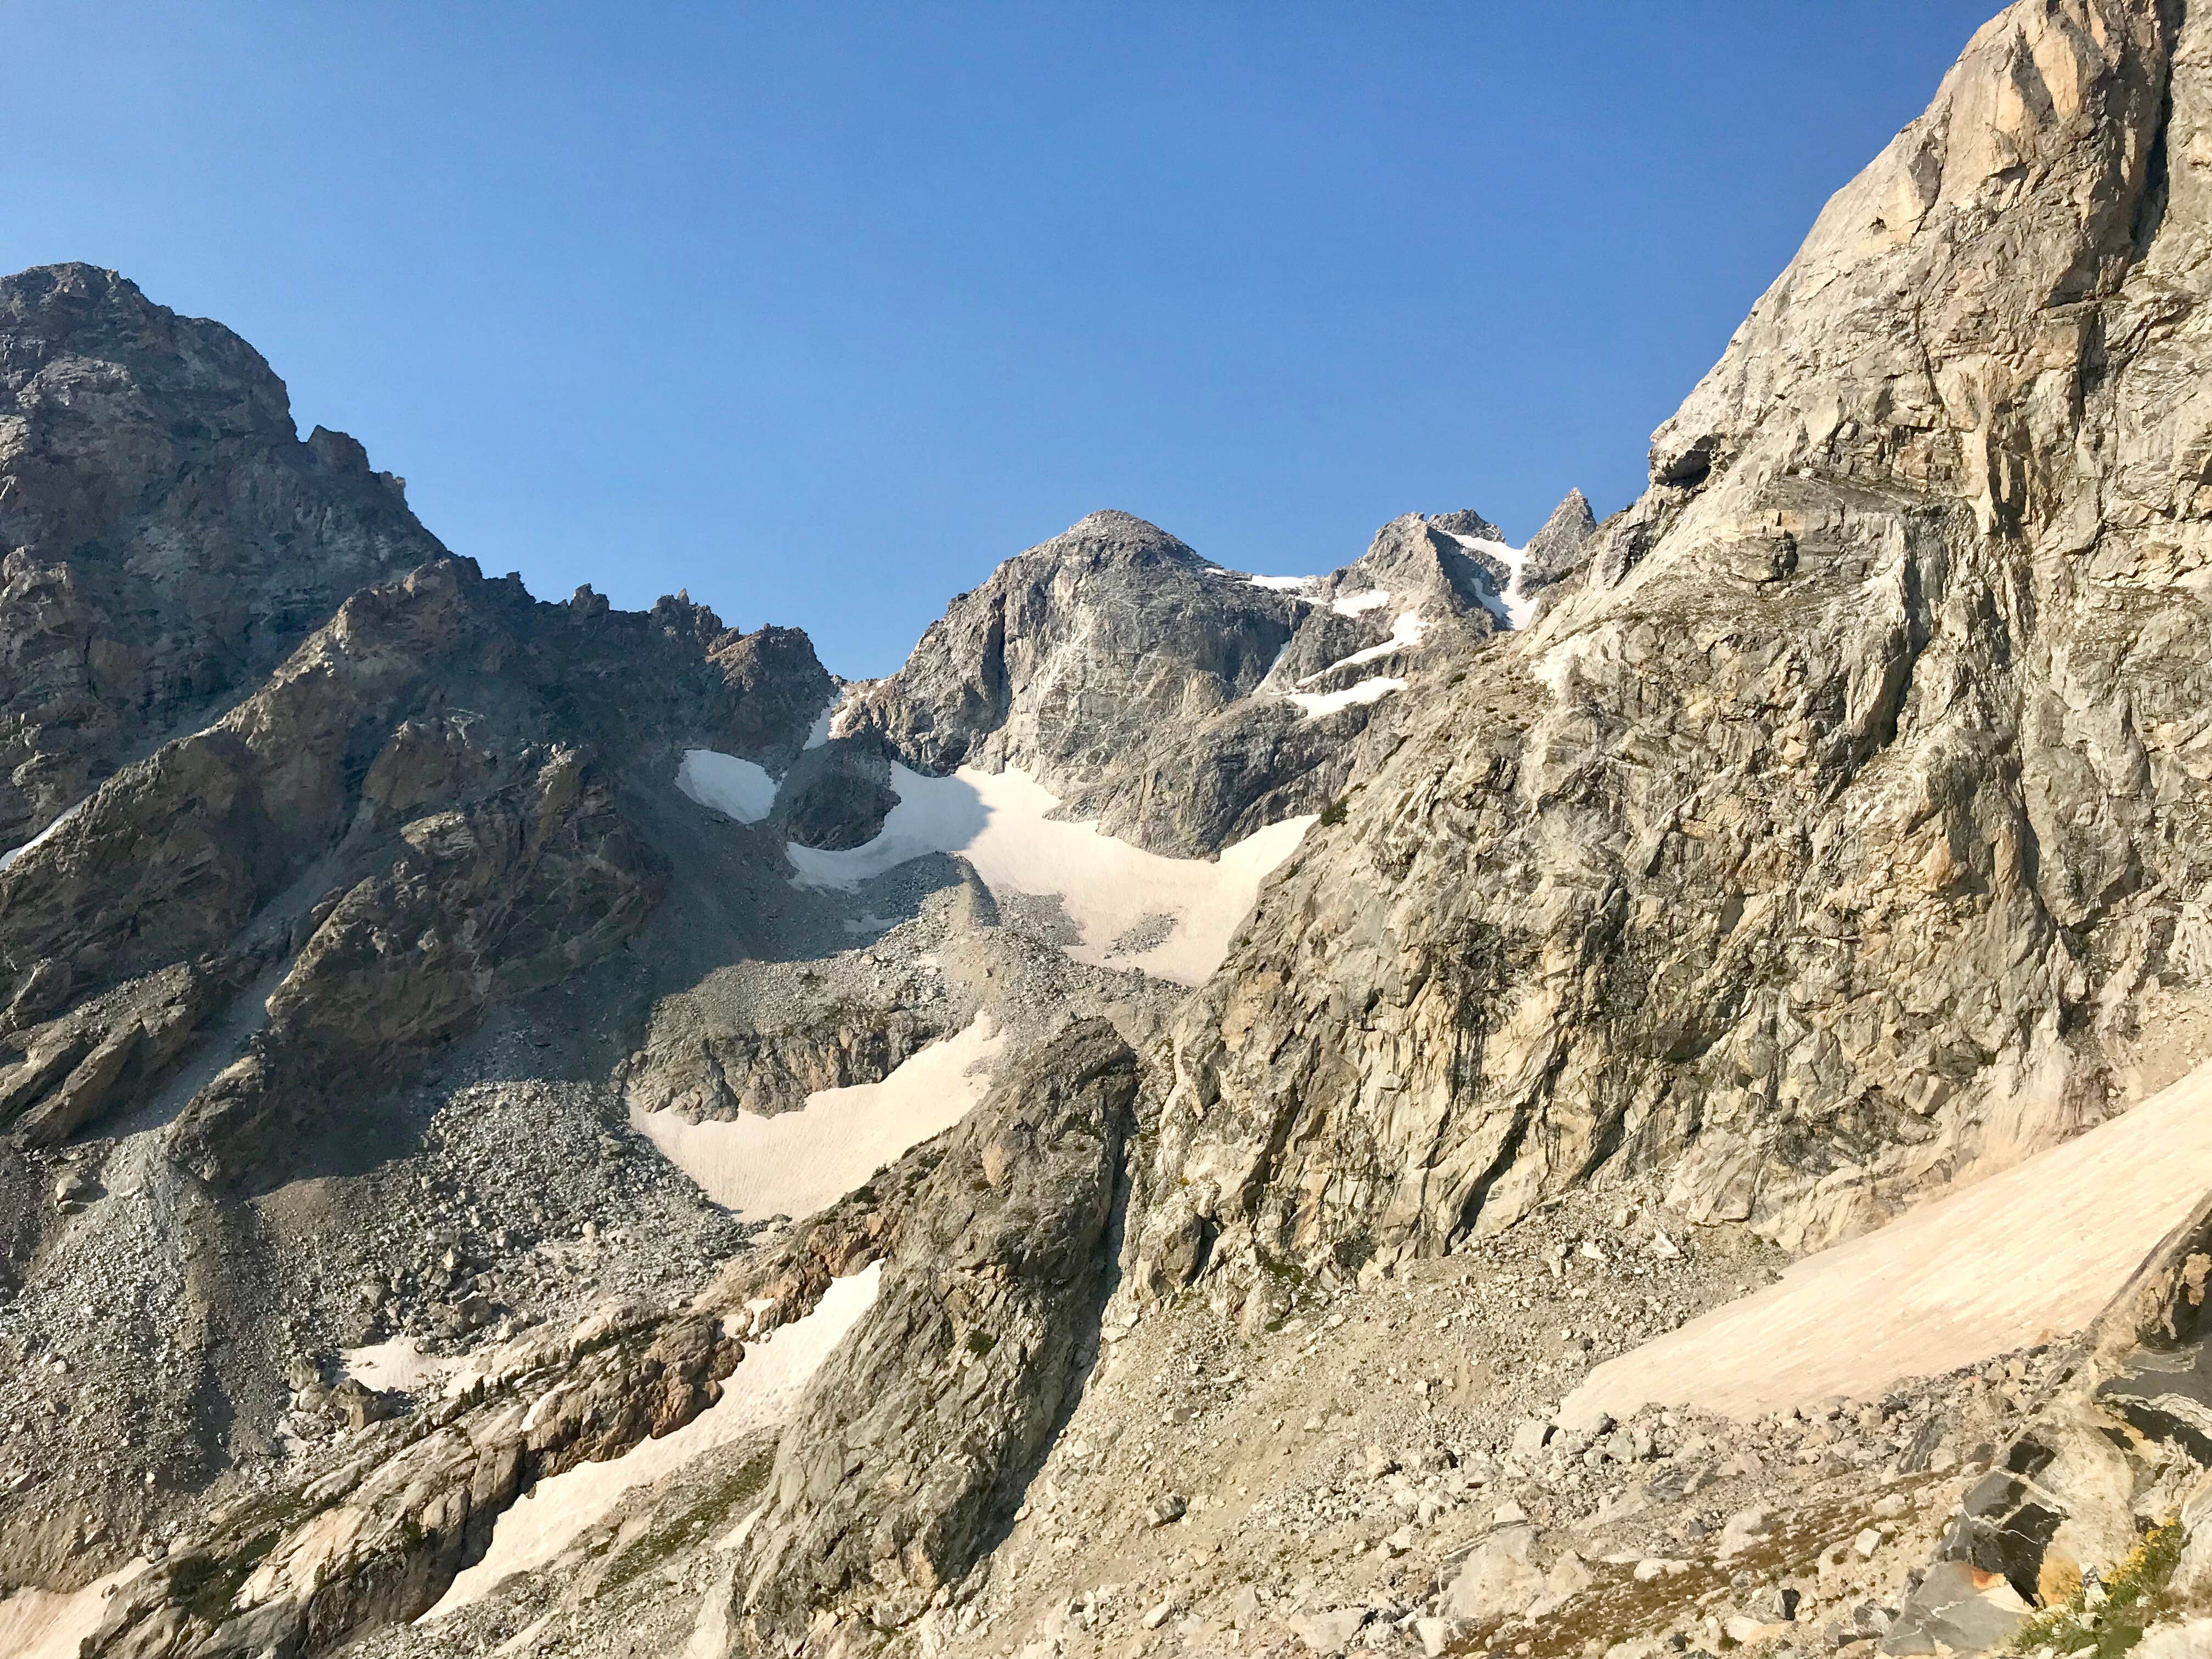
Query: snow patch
x: 1512, y: 607
x: 760, y: 1393
x: 1359, y: 604
x: 999, y: 822
x: 796, y: 1162
x: 396, y: 1363
x: 2015, y: 1259
x: 740, y: 789
x: 36, y: 1624
x: 1317, y: 703
x: 819, y: 733
x: 14, y: 852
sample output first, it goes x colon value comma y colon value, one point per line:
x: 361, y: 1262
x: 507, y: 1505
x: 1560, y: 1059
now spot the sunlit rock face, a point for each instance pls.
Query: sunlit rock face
x: 1837, y: 828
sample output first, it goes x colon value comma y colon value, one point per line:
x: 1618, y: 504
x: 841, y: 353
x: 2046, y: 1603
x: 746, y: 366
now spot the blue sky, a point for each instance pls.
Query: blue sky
x: 821, y: 310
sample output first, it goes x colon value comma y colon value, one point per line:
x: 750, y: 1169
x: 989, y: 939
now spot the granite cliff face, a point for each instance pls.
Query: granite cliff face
x: 1837, y: 831
x: 536, y: 1128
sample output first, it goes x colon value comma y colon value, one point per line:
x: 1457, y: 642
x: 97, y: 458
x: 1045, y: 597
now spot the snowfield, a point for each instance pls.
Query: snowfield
x: 556, y: 1512
x: 999, y: 822
x: 1317, y: 703
x: 2024, y: 1256
x: 740, y: 789
x: 796, y: 1162
x: 36, y: 1624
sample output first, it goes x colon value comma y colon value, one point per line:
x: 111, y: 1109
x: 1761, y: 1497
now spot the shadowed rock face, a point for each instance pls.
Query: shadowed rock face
x: 913, y: 1442
x: 166, y: 538
x: 1840, y: 821
x: 426, y: 766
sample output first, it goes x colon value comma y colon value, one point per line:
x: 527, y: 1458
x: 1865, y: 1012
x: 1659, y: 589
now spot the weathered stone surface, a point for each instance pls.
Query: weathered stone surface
x: 1147, y: 686
x: 1830, y: 830
x: 1557, y: 549
x: 167, y: 536
x: 382, y: 1543
x: 1501, y: 1576
x: 1959, y: 1608
x: 912, y: 1442
x: 718, y: 1070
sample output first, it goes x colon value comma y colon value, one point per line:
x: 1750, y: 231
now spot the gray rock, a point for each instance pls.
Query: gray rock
x: 1957, y: 1608
x: 1331, y: 1632
x: 955, y: 1379
x: 170, y: 537
x: 1500, y: 1578
x: 1528, y: 1438
x: 1835, y: 519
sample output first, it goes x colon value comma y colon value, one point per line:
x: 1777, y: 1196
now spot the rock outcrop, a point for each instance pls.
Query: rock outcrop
x: 912, y: 1445
x: 382, y: 1542
x: 1838, y: 828
x: 1158, y: 693
x: 424, y: 765
x: 165, y: 536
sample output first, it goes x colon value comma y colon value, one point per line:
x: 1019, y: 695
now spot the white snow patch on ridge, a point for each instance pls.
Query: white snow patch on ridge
x: 1512, y: 607
x: 740, y: 789
x: 556, y: 1512
x: 14, y: 852
x: 1356, y: 604
x: 998, y: 823
x: 1290, y: 585
x: 1316, y: 703
x: 796, y: 1162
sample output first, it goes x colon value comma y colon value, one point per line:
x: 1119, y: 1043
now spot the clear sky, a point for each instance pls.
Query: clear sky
x: 820, y: 310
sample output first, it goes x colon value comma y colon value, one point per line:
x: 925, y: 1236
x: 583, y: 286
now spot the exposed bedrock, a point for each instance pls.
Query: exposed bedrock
x: 168, y: 537
x: 912, y: 1443
x: 1841, y: 825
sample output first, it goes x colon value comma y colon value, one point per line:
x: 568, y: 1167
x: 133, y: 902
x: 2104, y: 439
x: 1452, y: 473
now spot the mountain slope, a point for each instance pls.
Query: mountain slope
x: 1836, y: 831
x: 169, y: 537
x: 1636, y: 910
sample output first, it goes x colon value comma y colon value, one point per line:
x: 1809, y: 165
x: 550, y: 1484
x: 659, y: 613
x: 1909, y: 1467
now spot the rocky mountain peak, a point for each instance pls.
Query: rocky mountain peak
x: 167, y: 537
x: 1558, y: 547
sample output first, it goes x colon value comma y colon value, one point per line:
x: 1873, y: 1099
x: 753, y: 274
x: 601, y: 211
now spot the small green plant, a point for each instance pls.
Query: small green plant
x: 206, y: 1585
x: 1332, y: 814
x: 980, y: 1343
x: 2133, y: 1600
x: 713, y: 1513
